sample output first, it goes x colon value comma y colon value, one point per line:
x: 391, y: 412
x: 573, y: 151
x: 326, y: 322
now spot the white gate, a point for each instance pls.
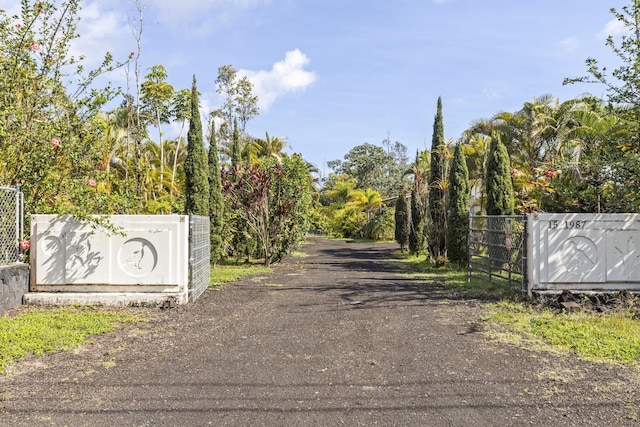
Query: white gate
x: 145, y: 261
x: 584, y: 252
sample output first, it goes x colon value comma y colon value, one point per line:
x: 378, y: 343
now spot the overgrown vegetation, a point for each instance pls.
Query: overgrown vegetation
x: 40, y: 331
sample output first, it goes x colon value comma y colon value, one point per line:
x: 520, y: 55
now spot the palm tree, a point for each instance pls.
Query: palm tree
x: 366, y: 200
x: 157, y: 96
x: 112, y: 137
x: 268, y: 147
x: 182, y: 112
x: 475, y: 150
x: 339, y: 187
x: 420, y: 168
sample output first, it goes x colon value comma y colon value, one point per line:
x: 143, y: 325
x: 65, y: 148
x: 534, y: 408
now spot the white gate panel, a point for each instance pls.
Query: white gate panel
x: 624, y: 256
x: 584, y: 252
x: 574, y: 256
x: 147, y: 252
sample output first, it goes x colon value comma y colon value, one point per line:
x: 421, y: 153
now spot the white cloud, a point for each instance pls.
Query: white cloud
x: 101, y: 31
x: 612, y: 28
x: 285, y: 77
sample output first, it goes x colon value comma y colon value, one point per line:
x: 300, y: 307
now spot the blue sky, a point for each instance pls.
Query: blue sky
x: 333, y: 74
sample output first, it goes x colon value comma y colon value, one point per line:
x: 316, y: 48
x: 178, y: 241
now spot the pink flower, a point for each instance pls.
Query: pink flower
x: 18, y: 26
x: 34, y: 47
x: 91, y: 183
x: 55, y: 142
x: 132, y: 54
x: 24, y: 245
x: 549, y: 174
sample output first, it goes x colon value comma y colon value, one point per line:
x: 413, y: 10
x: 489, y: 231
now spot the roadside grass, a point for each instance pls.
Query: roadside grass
x: 223, y: 274
x: 612, y: 337
x: 297, y: 254
x: 40, y: 331
x: 603, y: 337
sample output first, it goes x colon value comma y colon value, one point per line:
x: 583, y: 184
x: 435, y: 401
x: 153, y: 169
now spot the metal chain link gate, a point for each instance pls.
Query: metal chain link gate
x: 498, y: 250
x: 11, y: 224
x: 199, y: 256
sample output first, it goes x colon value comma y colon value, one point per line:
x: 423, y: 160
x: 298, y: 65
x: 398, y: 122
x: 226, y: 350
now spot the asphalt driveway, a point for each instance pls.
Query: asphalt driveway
x: 338, y: 336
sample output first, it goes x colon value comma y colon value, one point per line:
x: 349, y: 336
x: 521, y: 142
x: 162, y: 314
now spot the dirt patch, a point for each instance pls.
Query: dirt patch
x: 338, y: 336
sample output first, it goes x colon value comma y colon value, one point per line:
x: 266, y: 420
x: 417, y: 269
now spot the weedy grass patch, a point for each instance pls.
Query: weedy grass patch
x: 224, y: 274
x: 605, y: 337
x: 39, y: 331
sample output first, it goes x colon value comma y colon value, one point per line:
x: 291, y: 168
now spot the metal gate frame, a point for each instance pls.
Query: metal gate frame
x: 11, y: 224
x: 497, y: 247
x: 199, y: 256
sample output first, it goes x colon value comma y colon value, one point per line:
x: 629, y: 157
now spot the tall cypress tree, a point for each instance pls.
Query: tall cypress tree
x: 236, y: 155
x: 458, y: 218
x: 195, y: 165
x: 416, y: 230
x: 401, y: 216
x: 437, y: 212
x: 216, y: 204
x: 500, y: 198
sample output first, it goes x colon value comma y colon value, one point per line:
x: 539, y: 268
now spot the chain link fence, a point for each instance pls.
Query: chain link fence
x: 498, y: 250
x: 199, y: 256
x: 11, y: 224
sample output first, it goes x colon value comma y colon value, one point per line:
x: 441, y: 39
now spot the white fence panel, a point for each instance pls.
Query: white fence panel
x: 150, y: 254
x: 584, y: 252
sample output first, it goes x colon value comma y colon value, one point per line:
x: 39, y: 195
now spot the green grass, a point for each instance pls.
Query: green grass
x: 611, y: 337
x: 40, y: 331
x: 225, y: 274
